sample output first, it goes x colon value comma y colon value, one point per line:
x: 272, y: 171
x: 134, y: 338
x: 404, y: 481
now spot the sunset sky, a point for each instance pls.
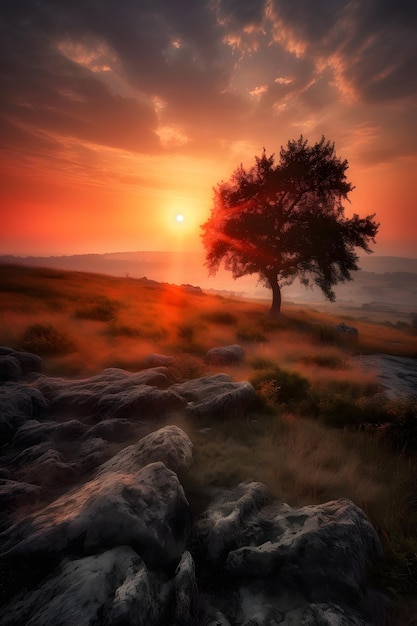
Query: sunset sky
x: 118, y: 115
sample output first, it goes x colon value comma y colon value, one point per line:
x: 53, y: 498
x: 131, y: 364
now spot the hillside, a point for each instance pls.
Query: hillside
x: 388, y: 284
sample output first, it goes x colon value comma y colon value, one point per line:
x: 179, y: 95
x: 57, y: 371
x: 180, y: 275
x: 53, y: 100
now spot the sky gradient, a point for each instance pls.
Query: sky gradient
x: 116, y: 116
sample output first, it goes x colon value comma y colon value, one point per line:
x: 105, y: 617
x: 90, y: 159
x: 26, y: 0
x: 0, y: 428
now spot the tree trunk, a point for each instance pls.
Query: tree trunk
x: 275, y: 310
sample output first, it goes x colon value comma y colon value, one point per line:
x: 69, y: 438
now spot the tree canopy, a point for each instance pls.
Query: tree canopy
x: 286, y: 220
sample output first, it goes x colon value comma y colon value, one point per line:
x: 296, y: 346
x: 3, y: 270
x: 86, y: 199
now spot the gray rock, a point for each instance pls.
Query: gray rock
x: 33, y: 432
x: 113, y: 390
x: 225, y: 355
x: 18, y: 403
x: 186, y: 592
x: 49, y: 470
x: 113, y: 430
x: 169, y: 444
x: 288, y: 565
x: 224, y: 524
x: 28, y: 362
x: 216, y: 396
x: 397, y: 375
x: 9, y: 368
x: 147, y: 510
x: 14, y: 494
x: 92, y: 453
x: 111, y: 588
x: 323, y: 546
x: 140, y: 402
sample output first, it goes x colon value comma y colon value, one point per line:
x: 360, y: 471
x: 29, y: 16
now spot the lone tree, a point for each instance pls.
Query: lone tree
x: 286, y: 220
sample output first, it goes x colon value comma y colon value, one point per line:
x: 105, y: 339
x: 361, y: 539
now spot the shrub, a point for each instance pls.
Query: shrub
x: 153, y: 333
x: 101, y: 309
x: 46, y: 340
x: 326, y: 334
x: 220, y: 317
x: 261, y: 363
x: 331, y: 361
x: 280, y: 386
x: 251, y: 334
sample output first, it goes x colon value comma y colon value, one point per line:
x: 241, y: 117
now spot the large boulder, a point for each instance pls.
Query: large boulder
x: 287, y: 565
x: 169, y: 444
x: 146, y: 510
x: 216, y: 396
x: 113, y: 587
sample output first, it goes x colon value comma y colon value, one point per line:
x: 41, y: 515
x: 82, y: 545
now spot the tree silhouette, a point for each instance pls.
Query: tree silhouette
x: 286, y: 220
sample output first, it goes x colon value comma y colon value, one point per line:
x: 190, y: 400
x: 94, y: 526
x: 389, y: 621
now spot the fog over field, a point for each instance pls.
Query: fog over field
x: 384, y: 287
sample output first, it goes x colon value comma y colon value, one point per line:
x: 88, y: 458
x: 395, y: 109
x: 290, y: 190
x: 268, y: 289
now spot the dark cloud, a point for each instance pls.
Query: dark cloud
x: 373, y: 41
x: 113, y: 72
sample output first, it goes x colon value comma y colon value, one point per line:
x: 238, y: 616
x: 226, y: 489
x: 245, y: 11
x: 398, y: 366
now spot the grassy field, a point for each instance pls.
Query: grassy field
x: 321, y: 430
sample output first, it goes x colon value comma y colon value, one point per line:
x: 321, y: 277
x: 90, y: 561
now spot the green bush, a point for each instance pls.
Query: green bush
x: 46, y: 340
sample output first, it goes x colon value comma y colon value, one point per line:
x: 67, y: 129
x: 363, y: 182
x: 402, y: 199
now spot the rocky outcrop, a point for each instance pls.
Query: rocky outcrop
x: 96, y: 526
x: 287, y: 565
x: 397, y: 375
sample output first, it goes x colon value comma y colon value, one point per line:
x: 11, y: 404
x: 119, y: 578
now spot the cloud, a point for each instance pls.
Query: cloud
x: 174, y: 76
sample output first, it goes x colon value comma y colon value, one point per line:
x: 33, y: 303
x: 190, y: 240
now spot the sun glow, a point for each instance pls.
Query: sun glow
x: 179, y: 218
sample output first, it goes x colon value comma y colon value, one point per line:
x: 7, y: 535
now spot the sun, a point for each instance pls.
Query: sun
x: 179, y: 218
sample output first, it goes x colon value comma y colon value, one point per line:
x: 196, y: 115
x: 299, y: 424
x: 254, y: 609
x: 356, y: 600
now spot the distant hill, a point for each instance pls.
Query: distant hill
x: 139, y: 263
x: 389, y: 280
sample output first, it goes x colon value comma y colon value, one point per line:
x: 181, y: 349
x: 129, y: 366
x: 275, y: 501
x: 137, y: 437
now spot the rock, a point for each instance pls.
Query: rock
x: 49, y: 470
x: 33, y: 432
x: 18, y: 403
x: 113, y: 430
x: 288, y: 565
x: 28, y: 362
x: 225, y: 355
x: 147, y: 510
x: 344, y: 329
x: 92, y: 453
x: 397, y: 375
x: 140, y: 402
x: 9, y: 368
x: 223, y: 526
x: 324, y: 547
x: 114, y: 585
x: 113, y: 393
x: 169, y: 444
x: 216, y: 396
x: 14, y: 494
x: 186, y: 592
